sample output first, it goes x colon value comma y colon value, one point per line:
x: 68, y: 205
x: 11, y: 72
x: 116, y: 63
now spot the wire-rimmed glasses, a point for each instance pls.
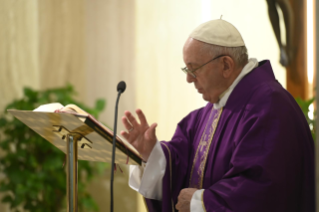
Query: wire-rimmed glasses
x: 191, y: 72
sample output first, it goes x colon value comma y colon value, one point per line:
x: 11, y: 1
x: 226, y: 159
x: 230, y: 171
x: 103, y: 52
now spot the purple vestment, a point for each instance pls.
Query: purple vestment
x: 260, y: 158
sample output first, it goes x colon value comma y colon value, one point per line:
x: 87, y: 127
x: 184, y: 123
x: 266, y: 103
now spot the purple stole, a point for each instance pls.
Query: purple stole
x: 198, y: 168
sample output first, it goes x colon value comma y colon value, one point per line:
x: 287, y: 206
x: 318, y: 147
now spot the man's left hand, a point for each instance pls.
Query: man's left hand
x: 184, y: 199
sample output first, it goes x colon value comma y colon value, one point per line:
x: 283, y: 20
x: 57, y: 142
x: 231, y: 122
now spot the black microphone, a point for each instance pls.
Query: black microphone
x: 120, y: 89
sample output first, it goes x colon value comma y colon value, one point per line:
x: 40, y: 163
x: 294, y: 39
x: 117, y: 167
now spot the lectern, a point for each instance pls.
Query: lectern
x: 80, y: 137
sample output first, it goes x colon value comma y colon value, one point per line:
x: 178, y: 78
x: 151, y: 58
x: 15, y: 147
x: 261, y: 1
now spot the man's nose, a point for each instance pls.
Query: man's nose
x: 190, y: 78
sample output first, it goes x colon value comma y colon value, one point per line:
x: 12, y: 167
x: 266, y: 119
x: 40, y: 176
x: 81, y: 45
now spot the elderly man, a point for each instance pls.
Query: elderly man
x: 248, y: 150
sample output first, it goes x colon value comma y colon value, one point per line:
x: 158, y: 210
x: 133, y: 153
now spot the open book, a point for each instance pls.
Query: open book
x: 53, y: 121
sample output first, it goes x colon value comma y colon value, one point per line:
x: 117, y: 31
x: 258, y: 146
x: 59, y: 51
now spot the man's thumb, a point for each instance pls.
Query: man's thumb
x: 152, y: 130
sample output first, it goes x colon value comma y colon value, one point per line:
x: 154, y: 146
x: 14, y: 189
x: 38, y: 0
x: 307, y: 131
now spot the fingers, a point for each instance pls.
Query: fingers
x: 179, y: 199
x: 177, y: 206
x: 131, y: 119
x: 126, y: 124
x: 152, y: 130
x: 183, y: 203
x: 182, y: 206
x: 141, y: 117
x: 125, y: 135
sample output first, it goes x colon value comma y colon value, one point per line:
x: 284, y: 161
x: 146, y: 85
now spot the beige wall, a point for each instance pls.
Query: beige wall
x: 110, y: 59
x: 62, y: 44
x: 47, y: 43
x: 19, y: 64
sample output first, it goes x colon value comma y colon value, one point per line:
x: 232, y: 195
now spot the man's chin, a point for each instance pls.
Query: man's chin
x: 209, y: 99
x: 206, y: 98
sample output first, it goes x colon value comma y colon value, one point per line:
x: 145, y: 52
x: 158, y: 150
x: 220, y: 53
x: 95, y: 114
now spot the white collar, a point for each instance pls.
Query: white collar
x: 252, y: 63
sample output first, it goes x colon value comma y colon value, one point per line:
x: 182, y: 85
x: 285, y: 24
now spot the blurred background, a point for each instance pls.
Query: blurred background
x: 94, y: 44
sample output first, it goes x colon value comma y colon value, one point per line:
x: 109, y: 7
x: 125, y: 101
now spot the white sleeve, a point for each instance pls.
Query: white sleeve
x: 147, y: 179
x: 196, y: 201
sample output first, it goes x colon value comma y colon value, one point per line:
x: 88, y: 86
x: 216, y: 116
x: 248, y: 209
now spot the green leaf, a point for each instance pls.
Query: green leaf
x: 3, y: 122
x: 304, y: 105
x: 7, y: 198
x: 4, y: 188
x: 16, y: 201
x: 99, y: 105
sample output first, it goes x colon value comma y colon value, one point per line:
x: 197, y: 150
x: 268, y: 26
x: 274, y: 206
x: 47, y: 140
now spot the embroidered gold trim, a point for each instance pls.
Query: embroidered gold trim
x: 207, y: 150
x: 170, y: 169
x: 195, y: 158
x: 203, y: 201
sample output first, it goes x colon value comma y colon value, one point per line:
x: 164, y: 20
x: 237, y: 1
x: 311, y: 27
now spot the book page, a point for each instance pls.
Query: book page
x: 74, y: 108
x: 51, y: 107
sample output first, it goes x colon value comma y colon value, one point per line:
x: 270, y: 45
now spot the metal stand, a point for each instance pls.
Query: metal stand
x: 72, y: 172
x: 73, y: 139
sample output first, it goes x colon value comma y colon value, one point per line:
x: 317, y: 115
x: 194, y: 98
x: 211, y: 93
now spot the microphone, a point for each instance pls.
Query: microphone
x: 121, y: 86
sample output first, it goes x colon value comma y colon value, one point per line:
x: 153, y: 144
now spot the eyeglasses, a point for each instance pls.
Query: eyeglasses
x: 191, y: 72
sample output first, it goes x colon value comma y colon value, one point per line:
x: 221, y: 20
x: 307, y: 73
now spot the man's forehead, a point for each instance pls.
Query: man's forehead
x: 193, y: 46
x: 192, y: 53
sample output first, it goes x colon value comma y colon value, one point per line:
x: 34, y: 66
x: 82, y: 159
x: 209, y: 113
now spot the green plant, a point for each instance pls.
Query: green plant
x: 310, y: 115
x: 34, y: 176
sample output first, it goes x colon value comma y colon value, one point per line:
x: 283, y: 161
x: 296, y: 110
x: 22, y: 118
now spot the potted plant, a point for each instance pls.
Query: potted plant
x: 35, y: 178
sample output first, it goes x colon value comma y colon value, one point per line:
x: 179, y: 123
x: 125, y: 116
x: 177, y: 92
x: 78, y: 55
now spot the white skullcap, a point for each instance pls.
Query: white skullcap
x: 218, y: 32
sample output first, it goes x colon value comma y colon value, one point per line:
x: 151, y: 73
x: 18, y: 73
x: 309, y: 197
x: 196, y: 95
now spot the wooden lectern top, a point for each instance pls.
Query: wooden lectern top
x: 96, y: 139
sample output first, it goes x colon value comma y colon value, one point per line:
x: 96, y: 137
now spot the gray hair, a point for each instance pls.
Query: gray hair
x: 238, y: 54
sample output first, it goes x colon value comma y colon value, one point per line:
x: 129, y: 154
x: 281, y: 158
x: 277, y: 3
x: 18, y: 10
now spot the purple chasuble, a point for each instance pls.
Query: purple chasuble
x: 260, y: 157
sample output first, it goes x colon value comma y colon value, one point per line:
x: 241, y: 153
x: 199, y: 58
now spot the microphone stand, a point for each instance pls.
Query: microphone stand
x: 120, y: 88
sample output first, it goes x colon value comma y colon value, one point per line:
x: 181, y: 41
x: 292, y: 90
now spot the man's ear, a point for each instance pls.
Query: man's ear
x: 228, y: 66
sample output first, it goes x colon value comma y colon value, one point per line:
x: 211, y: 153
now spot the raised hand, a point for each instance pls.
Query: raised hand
x: 140, y: 135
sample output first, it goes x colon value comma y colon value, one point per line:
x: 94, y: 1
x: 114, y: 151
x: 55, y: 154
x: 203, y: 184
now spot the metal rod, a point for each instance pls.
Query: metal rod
x: 72, y: 173
x: 113, y: 150
x: 317, y: 100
